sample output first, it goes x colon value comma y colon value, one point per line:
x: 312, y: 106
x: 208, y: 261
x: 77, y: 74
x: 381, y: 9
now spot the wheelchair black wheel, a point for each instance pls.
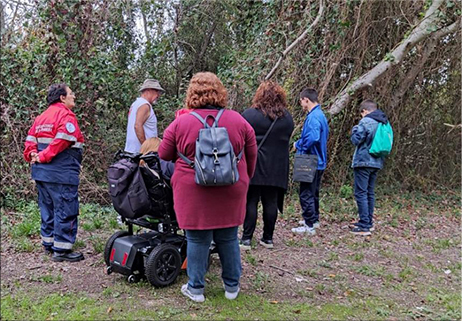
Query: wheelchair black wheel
x: 163, y: 265
x: 110, y: 243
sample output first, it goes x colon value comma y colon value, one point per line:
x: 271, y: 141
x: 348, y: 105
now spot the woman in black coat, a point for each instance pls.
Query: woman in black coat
x: 272, y: 170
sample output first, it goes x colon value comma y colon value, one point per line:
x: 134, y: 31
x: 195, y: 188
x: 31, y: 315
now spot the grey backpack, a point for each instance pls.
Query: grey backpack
x: 215, y: 163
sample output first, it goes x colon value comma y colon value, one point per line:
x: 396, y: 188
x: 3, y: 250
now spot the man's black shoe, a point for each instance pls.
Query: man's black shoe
x: 67, y: 256
x: 353, y: 225
x: 245, y: 244
x: 47, y: 251
x: 360, y: 231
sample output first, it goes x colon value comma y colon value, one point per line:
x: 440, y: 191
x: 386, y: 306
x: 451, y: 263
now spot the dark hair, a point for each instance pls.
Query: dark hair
x: 368, y: 105
x: 270, y: 98
x: 55, y: 92
x: 309, y: 93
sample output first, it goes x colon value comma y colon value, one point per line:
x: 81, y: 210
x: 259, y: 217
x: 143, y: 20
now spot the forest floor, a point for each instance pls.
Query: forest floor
x: 410, y: 268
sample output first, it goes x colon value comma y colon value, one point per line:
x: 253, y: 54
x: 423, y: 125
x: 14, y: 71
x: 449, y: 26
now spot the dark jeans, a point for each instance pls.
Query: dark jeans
x: 364, y: 194
x: 309, y: 199
x: 269, y: 200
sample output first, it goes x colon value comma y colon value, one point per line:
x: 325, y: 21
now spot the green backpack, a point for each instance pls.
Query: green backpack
x: 382, y: 141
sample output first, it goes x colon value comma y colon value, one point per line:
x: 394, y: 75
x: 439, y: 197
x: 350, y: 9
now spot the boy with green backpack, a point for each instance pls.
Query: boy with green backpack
x: 373, y: 138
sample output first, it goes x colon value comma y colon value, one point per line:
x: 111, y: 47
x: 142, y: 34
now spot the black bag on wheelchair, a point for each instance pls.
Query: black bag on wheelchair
x: 127, y: 188
x: 158, y: 187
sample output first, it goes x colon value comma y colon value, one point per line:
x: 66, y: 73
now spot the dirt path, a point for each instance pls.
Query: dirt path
x: 333, y: 266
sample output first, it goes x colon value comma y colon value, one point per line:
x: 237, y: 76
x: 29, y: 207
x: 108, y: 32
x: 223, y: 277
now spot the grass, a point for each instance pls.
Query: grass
x: 406, y: 273
x: 78, y: 306
x: 370, y: 270
x: 250, y: 259
x: 439, y: 245
x: 48, y: 278
x: 23, y: 225
x: 358, y: 257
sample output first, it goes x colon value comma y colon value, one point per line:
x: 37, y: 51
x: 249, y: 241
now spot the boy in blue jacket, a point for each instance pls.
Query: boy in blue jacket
x: 313, y: 141
x: 366, y: 166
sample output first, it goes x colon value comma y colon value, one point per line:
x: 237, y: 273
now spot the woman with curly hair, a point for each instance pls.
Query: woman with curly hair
x: 207, y: 212
x: 268, y: 117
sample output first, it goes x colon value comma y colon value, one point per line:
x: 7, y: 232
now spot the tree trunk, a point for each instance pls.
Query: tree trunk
x: 421, y: 32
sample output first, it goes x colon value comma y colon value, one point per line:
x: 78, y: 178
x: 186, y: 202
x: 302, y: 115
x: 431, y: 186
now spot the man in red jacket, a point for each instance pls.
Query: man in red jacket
x: 54, y: 148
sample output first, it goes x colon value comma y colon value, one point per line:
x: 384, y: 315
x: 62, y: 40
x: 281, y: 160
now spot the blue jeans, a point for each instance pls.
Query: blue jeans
x: 365, y: 178
x: 309, y: 199
x: 198, y: 252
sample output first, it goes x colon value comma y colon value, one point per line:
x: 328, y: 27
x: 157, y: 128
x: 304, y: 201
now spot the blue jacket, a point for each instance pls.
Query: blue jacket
x: 362, y: 136
x: 64, y: 168
x: 314, y: 136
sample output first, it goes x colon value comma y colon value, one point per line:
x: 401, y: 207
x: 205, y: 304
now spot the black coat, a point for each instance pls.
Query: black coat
x: 272, y: 167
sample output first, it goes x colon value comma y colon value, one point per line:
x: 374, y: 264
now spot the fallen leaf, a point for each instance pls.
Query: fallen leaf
x: 274, y: 302
x: 109, y: 310
x: 332, y: 275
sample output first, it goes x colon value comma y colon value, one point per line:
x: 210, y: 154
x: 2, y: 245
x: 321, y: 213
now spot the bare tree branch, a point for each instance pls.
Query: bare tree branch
x: 145, y: 23
x: 421, y: 32
x: 417, y: 68
x: 205, y: 43
x: 293, y: 44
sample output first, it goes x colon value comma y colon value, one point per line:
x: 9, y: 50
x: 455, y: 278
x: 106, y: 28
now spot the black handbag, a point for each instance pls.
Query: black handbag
x: 305, y: 166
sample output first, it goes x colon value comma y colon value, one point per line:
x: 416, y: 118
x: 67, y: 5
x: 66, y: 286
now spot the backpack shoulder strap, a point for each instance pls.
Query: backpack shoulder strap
x: 218, y: 117
x: 202, y: 120
x: 187, y: 160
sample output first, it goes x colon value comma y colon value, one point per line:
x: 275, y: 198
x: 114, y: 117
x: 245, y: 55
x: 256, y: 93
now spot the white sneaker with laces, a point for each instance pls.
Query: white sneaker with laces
x: 315, y: 225
x: 195, y: 297
x: 304, y: 229
x: 232, y: 295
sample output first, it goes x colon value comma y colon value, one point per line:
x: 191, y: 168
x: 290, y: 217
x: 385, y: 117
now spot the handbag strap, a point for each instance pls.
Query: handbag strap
x: 266, y: 135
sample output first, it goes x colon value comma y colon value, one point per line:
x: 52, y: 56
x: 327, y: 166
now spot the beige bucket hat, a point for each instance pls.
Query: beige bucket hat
x: 152, y: 84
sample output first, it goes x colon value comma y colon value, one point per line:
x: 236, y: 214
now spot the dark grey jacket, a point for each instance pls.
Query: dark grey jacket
x: 272, y: 167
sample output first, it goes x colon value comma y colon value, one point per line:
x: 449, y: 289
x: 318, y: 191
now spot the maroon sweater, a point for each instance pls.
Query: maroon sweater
x: 201, y: 207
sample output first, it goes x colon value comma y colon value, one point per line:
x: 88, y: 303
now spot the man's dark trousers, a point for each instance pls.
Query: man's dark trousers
x: 309, y: 199
x: 365, y: 178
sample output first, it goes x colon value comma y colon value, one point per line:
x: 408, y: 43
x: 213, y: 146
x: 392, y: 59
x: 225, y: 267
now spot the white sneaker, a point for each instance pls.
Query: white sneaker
x: 315, y: 225
x: 232, y: 295
x: 304, y: 229
x: 194, y: 297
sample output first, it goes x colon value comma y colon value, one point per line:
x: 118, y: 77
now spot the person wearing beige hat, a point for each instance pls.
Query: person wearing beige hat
x: 142, y: 121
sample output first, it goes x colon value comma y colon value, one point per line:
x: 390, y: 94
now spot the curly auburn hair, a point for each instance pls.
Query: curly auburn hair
x: 270, y: 98
x: 205, y: 89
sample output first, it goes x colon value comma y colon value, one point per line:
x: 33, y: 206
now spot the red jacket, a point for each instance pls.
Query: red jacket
x: 204, y: 207
x: 54, y: 132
